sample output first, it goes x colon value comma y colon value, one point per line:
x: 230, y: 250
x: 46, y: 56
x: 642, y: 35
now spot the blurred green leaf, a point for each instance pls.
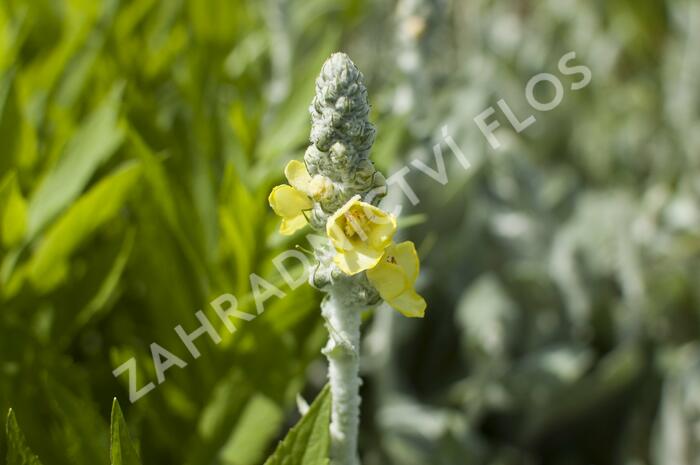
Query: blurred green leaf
x: 289, y: 125
x: 13, y: 213
x: 258, y: 425
x: 122, y: 449
x: 95, y: 141
x: 18, y: 453
x: 90, y: 212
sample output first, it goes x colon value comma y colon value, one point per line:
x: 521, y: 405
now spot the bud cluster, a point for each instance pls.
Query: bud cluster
x: 341, y: 138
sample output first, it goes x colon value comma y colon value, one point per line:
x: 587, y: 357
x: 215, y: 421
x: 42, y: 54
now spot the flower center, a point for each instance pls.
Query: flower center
x: 355, y: 224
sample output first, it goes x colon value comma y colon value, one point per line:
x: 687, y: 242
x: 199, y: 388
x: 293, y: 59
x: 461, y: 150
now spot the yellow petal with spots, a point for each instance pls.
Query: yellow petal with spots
x: 407, y: 258
x: 394, y: 277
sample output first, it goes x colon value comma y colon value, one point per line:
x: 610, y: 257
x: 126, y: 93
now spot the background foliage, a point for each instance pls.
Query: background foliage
x: 140, y: 140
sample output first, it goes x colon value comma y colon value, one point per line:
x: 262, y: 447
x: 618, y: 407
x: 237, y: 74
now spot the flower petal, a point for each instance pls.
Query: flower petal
x: 383, y: 225
x: 407, y: 258
x: 389, y: 279
x: 338, y: 216
x: 297, y: 175
x: 358, y: 258
x: 291, y: 225
x: 288, y: 202
x: 410, y: 304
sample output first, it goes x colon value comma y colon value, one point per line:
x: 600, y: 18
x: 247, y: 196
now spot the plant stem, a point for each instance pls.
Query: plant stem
x: 343, y: 320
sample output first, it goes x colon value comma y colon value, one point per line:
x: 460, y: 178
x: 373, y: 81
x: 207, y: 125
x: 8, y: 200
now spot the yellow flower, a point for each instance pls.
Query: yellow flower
x: 290, y: 204
x: 291, y: 201
x: 394, y: 278
x: 359, y: 232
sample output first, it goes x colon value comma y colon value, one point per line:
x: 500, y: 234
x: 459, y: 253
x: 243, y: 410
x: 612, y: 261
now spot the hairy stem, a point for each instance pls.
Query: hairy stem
x: 343, y: 320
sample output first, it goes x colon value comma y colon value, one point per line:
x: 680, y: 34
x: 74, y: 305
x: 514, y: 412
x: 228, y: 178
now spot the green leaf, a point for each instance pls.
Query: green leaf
x: 95, y: 141
x: 18, y: 453
x: 308, y: 442
x: 258, y: 424
x: 90, y: 212
x: 13, y: 213
x: 122, y: 449
x: 10, y: 117
x: 92, y: 296
x: 163, y: 193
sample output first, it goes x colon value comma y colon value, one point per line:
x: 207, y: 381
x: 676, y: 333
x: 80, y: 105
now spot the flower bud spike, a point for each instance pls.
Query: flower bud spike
x: 337, y: 191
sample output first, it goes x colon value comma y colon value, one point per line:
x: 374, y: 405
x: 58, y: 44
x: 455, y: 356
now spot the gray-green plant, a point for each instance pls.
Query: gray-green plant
x: 341, y: 138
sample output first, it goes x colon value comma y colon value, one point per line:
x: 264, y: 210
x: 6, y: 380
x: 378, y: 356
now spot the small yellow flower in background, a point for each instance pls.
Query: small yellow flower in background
x: 394, y: 278
x: 359, y: 232
x: 291, y: 201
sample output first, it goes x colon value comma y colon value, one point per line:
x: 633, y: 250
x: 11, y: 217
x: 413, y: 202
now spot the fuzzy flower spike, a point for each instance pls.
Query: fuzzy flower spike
x: 336, y: 189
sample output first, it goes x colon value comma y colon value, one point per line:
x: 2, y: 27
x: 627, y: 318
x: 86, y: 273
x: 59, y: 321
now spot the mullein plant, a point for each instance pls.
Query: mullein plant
x: 336, y: 190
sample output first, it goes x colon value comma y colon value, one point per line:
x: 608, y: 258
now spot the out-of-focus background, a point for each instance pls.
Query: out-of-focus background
x: 139, y: 141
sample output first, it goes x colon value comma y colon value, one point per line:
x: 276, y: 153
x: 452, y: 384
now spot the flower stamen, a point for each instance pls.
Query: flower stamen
x: 356, y: 221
